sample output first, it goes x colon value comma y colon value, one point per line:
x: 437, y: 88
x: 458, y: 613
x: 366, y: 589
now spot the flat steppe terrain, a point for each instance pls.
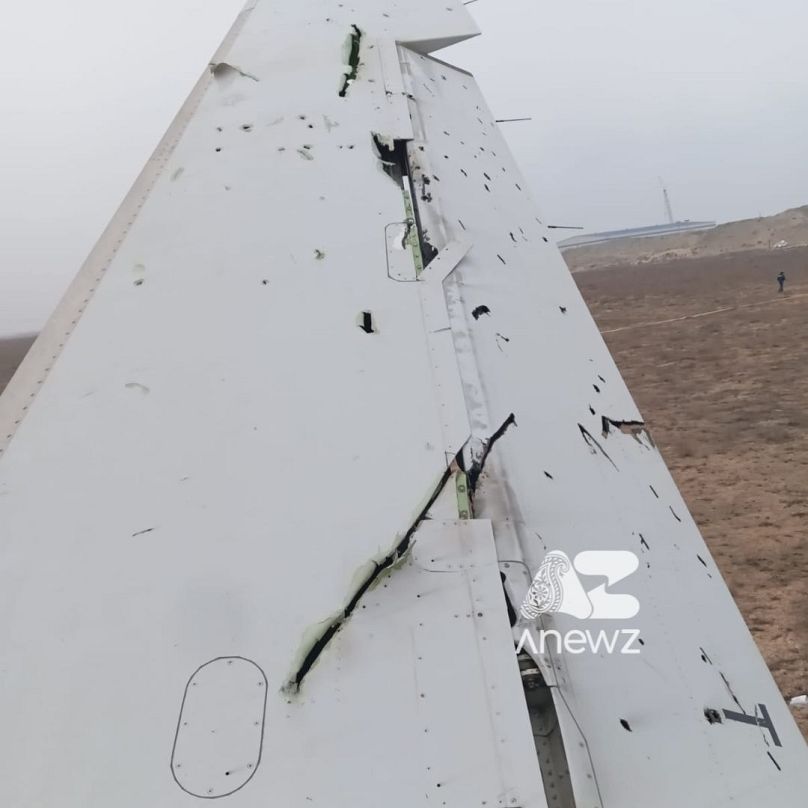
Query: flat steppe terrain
x: 789, y: 227
x: 725, y: 393
x: 12, y: 351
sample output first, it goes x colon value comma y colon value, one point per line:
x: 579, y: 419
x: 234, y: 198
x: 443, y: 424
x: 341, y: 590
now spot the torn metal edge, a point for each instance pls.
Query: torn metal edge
x: 316, y: 640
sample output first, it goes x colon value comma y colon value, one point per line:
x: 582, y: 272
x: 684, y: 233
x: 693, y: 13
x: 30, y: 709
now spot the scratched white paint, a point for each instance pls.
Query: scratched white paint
x: 204, y: 455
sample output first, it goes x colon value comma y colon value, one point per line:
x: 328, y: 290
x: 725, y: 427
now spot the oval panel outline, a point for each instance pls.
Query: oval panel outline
x: 179, y: 726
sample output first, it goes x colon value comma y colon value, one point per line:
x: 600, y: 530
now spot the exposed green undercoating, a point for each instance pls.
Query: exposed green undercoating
x: 463, y: 500
x: 351, y: 57
x: 412, y: 235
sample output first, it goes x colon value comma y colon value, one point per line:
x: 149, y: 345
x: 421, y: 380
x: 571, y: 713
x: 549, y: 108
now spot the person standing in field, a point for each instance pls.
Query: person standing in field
x: 781, y: 279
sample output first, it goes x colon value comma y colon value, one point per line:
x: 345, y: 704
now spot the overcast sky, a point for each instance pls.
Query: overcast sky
x: 709, y: 94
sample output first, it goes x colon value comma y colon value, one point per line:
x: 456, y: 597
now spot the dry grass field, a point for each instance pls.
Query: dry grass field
x: 789, y: 227
x: 726, y: 398
x: 12, y: 350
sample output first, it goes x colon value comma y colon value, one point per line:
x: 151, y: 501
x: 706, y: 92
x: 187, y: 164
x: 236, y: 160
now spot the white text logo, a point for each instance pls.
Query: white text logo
x: 557, y: 589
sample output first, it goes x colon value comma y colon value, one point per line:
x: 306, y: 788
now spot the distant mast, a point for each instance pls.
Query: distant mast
x: 670, y: 227
x: 668, y: 208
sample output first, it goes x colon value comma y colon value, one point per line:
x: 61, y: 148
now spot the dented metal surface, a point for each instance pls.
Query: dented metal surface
x: 312, y: 413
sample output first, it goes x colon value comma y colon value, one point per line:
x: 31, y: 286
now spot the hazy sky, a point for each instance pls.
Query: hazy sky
x: 709, y: 94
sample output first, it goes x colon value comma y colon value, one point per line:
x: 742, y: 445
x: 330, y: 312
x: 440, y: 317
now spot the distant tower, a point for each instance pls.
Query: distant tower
x: 668, y: 208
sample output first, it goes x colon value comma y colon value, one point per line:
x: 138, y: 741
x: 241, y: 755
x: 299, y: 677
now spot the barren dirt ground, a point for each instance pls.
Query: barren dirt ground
x: 12, y: 351
x: 790, y: 226
x: 726, y: 398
